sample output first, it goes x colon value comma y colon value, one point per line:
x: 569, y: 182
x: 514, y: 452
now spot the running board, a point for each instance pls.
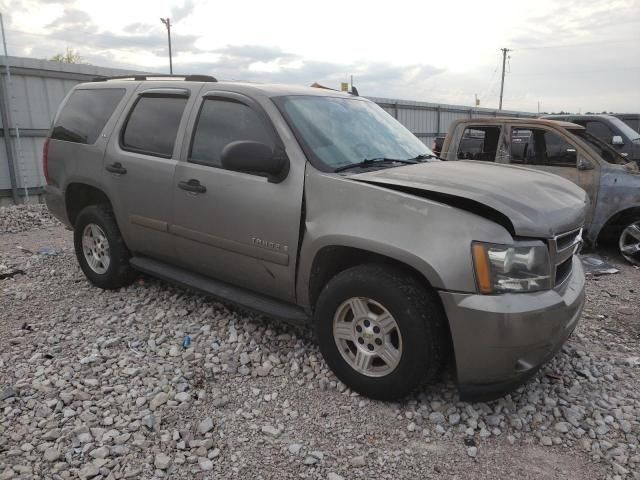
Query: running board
x: 220, y: 290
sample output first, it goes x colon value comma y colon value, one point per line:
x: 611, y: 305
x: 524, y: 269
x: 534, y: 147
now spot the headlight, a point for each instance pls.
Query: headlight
x: 503, y: 268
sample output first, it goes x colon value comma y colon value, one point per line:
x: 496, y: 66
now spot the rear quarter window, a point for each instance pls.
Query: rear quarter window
x: 85, y: 114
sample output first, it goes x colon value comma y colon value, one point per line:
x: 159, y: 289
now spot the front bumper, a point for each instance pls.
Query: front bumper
x: 500, y: 341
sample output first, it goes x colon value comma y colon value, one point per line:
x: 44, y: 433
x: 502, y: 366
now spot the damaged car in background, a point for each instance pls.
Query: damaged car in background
x: 611, y: 181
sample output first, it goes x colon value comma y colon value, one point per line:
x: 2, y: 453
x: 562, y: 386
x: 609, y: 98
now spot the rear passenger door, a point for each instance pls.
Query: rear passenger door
x: 234, y: 226
x: 140, y: 163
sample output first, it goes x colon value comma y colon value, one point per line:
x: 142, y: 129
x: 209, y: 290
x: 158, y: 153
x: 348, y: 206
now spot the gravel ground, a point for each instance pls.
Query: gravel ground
x: 25, y: 217
x: 97, y: 384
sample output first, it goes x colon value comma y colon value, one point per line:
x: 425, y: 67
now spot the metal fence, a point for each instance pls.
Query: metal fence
x: 429, y: 120
x: 30, y: 98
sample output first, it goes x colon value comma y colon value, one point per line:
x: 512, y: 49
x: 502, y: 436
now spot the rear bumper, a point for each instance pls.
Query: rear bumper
x: 500, y: 341
x: 54, y: 198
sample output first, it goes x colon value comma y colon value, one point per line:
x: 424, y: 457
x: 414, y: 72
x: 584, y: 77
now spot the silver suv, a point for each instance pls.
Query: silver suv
x: 317, y: 207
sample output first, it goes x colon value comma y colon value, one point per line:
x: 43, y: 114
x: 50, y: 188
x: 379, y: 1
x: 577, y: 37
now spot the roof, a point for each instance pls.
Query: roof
x: 268, y: 89
x: 586, y: 116
x: 528, y: 121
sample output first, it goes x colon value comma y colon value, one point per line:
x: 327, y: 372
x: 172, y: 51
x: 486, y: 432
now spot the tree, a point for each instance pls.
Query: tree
x: 70, y: 56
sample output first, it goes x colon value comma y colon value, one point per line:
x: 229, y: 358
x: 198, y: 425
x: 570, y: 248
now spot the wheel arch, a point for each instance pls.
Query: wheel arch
x: 334, y: 257
x: 79, y: 195
x: 330, y: 260
x: 612, y: 227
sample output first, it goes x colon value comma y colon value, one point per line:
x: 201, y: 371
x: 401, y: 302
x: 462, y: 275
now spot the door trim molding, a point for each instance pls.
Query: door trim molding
x: 149, y: 223
x: 279, y: 258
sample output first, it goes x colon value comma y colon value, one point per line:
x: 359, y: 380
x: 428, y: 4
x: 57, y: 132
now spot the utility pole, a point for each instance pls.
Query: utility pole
x: 167, y: 23
x: 504, y: 61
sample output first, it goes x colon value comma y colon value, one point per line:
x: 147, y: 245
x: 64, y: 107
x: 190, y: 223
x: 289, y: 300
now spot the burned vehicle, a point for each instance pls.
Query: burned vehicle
x: 610, y: 129
x: 319, y: 208
x: 611, y: 181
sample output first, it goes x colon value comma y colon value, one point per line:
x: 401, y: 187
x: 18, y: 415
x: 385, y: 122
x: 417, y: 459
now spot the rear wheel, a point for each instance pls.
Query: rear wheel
x: 380, y: 331
x: 629, y: 240
x: 100, y: 248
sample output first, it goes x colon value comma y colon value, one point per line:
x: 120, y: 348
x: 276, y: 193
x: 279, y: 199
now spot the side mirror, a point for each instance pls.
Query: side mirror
x: 257, y: 158
x: 617, y: 140
x: 584, y: 164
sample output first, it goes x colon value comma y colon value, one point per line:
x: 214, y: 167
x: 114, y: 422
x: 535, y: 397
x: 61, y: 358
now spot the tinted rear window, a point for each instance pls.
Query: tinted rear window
x: 85, y: 114
x: 153, y: 125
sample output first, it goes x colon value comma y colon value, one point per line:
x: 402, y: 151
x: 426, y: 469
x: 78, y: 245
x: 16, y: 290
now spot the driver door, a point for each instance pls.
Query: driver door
x: 236, y: 227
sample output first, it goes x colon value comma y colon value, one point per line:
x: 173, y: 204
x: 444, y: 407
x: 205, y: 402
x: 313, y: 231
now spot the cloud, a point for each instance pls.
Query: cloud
x: 138, y: 28
x: 254, y: 53
x: 179, y: 13
x: 238, y: 62
x: 70, y: 19
x: 75, y: 27
x: 569, y: 55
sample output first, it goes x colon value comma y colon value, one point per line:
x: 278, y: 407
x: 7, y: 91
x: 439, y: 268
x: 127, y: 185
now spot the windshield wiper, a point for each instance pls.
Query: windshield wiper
x: 373, y: 161
x: 425, y: 156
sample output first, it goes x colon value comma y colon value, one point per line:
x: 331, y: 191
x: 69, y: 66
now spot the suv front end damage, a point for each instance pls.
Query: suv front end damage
x: 501, y: 340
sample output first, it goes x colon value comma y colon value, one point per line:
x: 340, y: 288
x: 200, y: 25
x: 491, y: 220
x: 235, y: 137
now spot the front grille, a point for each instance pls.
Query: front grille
x: 561, y: 250
x: 563, y: 270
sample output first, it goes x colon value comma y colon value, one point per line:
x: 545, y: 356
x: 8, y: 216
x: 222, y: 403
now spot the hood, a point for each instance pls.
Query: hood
x: 527, y: 202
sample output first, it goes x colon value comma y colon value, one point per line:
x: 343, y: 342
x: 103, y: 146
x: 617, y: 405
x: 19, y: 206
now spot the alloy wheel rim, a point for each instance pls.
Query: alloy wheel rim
x: 95, y: 247
x: 367, y: 336
x: 630, y: 243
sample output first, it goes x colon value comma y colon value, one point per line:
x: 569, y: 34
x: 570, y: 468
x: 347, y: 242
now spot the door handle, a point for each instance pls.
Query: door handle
x: 192, y: 186
x: 116, y: 168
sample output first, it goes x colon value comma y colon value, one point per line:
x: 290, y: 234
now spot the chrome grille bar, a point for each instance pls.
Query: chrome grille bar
x: 561, y: 248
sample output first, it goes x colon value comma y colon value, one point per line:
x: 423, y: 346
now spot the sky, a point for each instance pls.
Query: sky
x: 566, y: 55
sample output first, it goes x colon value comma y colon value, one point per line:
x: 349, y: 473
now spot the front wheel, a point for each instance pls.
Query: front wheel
x: 380, y: 331
x: 629, y: 241
x: 100, y: 248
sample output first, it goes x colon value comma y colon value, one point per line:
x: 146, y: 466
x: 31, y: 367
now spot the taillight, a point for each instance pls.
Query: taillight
x: 45, y: 159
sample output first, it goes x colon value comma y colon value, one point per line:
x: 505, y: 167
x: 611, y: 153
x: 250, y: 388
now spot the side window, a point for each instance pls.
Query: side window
x: 85, y: 114
x: 541, y: 147
x: 600, y: 130
x: 479, y: 143
x: 220, y: 122
x: 153, y: 125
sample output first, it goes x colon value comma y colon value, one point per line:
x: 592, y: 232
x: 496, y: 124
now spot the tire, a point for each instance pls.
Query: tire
x: 106, y: 264
x: 410, y: 353
x: 629, y: 239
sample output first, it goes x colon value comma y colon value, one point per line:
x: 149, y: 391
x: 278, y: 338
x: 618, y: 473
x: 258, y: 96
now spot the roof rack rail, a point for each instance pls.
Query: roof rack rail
x: 150, y: 76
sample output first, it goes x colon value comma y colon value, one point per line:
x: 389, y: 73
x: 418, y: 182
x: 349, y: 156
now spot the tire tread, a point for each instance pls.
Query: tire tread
x: 422, y: 306
x: 122, y: 274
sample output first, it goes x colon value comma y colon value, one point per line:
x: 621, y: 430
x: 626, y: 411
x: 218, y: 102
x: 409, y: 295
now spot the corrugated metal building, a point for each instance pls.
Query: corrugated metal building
x: 37, y: 87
